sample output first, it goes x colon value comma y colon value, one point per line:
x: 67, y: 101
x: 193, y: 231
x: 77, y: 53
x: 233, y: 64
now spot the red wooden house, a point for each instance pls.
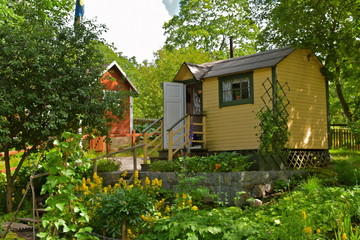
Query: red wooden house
x: 115, y: 79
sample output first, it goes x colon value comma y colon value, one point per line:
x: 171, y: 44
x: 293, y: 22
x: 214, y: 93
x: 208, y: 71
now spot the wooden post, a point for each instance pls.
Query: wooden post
x: 187, y: 136
x: 162, y: 134
x: 95, y: 166
x: 133, y: 137
x: 341, y: 140
x: 204, y: 131
x: 170, y: 147
x: 134, y: 153
x: 145, y: 147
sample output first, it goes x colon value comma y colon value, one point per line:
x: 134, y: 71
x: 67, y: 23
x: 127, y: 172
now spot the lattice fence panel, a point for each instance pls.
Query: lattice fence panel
x: 308, y: 158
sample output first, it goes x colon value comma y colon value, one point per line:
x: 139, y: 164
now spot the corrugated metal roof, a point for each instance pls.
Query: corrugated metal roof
x: 245, y: 63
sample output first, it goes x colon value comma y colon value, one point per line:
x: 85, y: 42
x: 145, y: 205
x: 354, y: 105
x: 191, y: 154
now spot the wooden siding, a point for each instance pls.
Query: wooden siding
x: 232, y: 127
x: 183, y: 74
x: 308, y: 109
x: 122, y: 126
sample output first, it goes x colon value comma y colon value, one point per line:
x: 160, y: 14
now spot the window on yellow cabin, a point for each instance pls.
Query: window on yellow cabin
x: 236, y: 89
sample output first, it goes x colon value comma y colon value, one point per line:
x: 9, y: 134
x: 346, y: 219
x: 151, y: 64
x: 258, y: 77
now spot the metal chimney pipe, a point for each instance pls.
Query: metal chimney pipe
x: 231, y: 48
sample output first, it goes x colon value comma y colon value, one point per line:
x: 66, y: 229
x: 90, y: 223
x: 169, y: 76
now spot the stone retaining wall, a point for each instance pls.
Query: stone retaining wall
x: 257, y: 184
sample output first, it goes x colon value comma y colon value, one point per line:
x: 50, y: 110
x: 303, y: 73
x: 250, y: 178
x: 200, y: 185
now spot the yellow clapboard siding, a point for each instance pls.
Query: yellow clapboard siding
x: 232, y: 127
x: 308, y: 115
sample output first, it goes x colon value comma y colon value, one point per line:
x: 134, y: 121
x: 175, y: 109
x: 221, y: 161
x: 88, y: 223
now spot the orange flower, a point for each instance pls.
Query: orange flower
x: 217, y: 166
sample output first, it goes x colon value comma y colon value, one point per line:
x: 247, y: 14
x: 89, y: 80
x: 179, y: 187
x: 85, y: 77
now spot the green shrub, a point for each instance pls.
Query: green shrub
x: 107, y: 165
x: 122, y: 207
x: 198, y: 194
x: 222, y: 162
x: 164, y: 166
x: 347, y: 173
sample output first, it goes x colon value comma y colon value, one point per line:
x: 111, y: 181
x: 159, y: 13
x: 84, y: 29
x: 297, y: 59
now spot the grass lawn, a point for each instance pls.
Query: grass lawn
x: 352, y: 157
x: 14, y: 161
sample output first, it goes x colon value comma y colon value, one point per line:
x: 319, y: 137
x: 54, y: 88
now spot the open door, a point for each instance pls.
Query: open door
x: 174, y: 109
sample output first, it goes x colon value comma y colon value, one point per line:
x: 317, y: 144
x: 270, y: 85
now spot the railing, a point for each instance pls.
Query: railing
x: 184, y: 141
x: 342, y: 137
x: 133, y: 149
x: 153, y: 140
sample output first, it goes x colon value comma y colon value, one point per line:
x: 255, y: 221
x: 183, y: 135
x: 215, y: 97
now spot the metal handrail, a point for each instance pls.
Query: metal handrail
x: 120, y: 151
x: 183, y: 118
x: 151, y: 125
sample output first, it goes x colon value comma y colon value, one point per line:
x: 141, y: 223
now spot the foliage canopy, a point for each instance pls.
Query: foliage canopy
x: 330, y: 28
x: 208, y: 25
x: 49, y: 78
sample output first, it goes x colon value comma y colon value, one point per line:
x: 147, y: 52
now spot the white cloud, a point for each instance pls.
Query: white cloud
x: 135, y: 26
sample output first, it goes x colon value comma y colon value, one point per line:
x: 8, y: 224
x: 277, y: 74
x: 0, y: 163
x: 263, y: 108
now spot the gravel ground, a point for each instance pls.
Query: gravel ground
x: 127, y: 163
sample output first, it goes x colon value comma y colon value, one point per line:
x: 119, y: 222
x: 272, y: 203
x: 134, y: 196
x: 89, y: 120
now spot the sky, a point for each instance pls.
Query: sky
x: 134, y: 26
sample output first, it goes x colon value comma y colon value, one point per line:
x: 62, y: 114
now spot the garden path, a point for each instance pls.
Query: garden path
x: 127, y: 163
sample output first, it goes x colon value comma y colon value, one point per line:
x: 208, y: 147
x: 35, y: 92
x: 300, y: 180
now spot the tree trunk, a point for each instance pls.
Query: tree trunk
x: 123, y: 231
x: 344, y: 104
x: 10, y: 179
x: 9, y: 182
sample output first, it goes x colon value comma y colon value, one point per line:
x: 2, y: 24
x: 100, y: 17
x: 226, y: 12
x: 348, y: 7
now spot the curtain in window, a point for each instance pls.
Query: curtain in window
x: 227, y: 92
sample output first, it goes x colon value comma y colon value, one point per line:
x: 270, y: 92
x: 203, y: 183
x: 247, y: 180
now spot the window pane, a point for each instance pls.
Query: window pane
x: 245, y: 93
x: 237, y: 89
x: 227, y: 96
x: 245, y: 84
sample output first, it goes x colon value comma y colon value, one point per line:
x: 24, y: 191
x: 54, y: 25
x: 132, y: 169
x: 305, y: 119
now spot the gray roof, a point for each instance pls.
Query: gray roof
x: 245, y: 63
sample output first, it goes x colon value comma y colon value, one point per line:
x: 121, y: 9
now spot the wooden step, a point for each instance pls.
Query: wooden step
x: 18, y: 227
x: 29, y: 220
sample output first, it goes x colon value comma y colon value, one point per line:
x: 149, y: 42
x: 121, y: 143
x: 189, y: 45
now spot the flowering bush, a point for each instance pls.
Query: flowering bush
x: 222, y: 162
x: 123, y: 204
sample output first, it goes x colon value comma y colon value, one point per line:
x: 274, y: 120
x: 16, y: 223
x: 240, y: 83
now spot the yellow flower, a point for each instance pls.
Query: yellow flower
x: 343, y: 236
x: 124, y: 174
x: 167, y: 209
x: 318, y: 231
x: 308, y: 230
x: 303, y: 215
x: 136, y: 174
x: 147, y: 181
x: 23, y: 192
x: 194, y: 208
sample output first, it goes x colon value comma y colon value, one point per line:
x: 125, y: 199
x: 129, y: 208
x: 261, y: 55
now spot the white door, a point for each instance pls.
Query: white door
x: 174, y: 109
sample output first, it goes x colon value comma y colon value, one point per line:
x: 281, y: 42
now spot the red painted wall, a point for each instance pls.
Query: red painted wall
x: 114, y: 80
x: 107, y: 79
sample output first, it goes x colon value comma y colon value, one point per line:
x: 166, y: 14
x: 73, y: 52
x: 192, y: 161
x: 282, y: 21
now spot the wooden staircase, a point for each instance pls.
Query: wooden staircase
x: 188, y: 135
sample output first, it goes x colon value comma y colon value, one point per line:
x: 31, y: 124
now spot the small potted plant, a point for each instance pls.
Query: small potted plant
x: 237, y: 94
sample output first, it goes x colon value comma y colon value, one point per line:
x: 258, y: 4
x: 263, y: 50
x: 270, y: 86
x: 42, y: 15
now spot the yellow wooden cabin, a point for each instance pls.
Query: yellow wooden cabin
x: 213, y: 105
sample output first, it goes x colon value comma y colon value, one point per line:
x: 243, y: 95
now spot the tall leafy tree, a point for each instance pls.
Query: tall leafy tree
x: 49, y: 79
x: 149, y: 103
x: 208, y: 25
x: 331, y: 28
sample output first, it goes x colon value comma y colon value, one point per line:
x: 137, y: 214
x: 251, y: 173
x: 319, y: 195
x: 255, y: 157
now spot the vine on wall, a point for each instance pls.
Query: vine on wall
x: 274, y: 133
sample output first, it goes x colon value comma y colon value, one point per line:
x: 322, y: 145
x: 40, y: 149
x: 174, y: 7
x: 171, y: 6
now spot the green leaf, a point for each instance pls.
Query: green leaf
x: 60, y: 206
